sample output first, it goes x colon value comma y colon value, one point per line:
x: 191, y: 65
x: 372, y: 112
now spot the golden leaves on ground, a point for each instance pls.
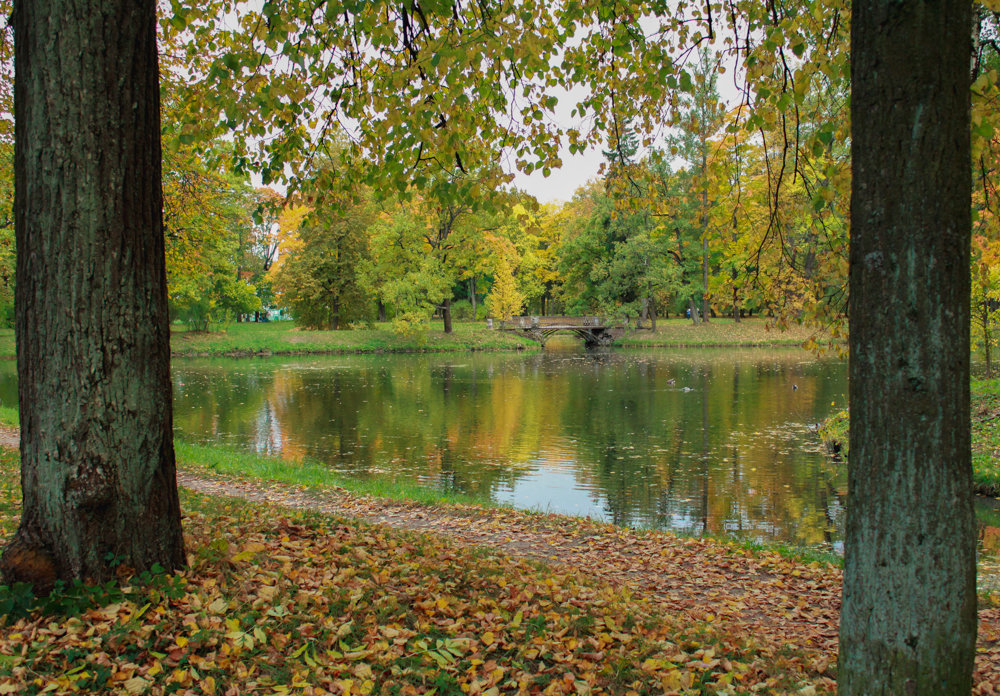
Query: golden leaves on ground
x: 304, y: 603
x: 308, y: 605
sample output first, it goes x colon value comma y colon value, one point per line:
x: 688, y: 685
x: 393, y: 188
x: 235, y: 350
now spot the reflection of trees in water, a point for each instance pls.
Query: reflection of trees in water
x: 651, y: 452
x: 683, y: 469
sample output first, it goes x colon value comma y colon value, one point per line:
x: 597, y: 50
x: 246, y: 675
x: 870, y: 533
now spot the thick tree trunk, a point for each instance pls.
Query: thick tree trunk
x: 472, y: 296
x: 909, y: 614
x: 381, y: 311
x: 97, y: 458
x: 446, y: 315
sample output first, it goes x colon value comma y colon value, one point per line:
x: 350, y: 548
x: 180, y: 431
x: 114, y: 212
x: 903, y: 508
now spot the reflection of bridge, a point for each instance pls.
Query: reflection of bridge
x: 595, y: 331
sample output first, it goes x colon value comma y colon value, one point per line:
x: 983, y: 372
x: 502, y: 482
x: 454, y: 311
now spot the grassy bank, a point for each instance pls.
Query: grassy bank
x: 985, y: 435
x: 720, y: 332
x: 284, y: 338
x: 229, y: 462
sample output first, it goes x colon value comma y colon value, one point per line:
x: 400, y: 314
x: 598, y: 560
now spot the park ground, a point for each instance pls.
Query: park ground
x: 315, y: 590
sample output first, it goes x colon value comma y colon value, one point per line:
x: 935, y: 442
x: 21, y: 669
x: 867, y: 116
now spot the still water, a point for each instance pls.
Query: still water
x: 698, y: 441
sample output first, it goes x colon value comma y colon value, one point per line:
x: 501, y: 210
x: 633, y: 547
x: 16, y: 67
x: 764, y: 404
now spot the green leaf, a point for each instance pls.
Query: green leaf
x: 686, y: 83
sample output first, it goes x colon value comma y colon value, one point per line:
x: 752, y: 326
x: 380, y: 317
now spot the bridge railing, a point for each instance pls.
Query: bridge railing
x: 537, y: 322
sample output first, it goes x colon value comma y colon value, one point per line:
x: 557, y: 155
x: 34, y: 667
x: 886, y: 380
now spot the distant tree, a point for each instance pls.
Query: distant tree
x: 320, y: 279
x: 206, y: 215
x: 701, y: 119
x: 505, y: 298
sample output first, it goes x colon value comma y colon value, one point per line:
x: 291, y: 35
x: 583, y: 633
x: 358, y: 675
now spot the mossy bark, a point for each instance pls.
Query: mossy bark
x: 93, y: 338
x: 909, y: 615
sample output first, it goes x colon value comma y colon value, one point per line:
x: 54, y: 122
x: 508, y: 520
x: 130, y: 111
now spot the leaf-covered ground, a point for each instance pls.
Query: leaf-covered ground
x: 332, y: 593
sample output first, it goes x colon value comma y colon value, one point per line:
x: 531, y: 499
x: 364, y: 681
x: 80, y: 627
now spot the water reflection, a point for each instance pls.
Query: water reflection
x: 699, y: 441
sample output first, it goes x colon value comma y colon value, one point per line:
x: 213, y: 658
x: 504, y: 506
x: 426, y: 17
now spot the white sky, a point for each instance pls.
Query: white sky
x: 560, y: 185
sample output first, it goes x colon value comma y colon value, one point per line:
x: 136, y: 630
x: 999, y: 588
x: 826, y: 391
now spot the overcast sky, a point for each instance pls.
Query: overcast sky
x: 560, y: 185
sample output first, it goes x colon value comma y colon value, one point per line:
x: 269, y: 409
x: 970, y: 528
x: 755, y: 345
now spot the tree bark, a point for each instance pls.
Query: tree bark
x: 446, y: 315
x: 908, y: 624
x: 987, y: 337
x: 472, y: 296
x: 97, y: 458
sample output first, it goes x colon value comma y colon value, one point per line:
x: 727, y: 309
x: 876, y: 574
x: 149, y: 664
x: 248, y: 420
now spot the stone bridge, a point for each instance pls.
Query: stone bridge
x: 595, y: 331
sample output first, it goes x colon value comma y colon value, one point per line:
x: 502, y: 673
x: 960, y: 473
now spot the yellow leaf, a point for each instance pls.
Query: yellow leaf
x: 136, y: 685
x: 516, y: 621
x: 218, y: 606
x: 488, y: 638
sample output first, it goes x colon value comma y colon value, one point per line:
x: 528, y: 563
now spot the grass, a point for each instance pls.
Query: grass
x: 835, y: 432
x: 986, y: 436
x: 284, y: 338
x: 681, y: 333
x: 230, y: 462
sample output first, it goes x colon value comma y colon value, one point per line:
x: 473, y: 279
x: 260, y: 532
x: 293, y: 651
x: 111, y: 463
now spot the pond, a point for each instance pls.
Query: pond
x: 702, y: 441
x: 698, y: 441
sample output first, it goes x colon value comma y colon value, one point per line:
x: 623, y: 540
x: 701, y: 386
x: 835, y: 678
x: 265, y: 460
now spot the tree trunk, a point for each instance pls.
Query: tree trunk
x: 652, y: 314
x: 446, y: 315
x: 987, y: 338
x: 381, y: 311
x: 472, y: 296
x: 704, y: 276
x: 693, y: 310
x: 908, y: 623
x: 97, y: 457
x: 704, y: 232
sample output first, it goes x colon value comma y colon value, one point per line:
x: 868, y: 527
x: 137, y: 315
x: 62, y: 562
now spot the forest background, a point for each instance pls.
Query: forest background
x: 730, y: 208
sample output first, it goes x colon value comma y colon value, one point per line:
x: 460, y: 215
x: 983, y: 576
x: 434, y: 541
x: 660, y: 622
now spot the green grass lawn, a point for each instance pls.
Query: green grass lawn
x: 722, y: 332
x: 285, y: 337
x: 986, y: 436
x: 7, y: 348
